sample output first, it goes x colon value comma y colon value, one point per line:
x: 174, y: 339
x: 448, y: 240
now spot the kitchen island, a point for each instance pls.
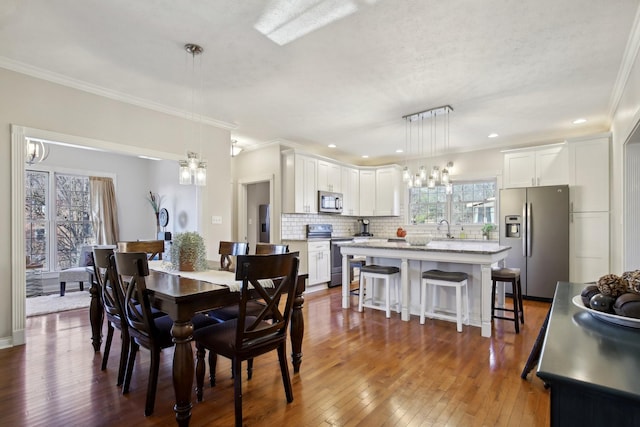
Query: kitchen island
x: 472, y: 257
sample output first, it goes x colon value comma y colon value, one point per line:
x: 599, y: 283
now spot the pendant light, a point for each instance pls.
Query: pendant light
x: 193, y: 170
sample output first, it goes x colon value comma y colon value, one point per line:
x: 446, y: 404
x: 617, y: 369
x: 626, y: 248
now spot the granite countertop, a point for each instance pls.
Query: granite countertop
x: 461, y: 246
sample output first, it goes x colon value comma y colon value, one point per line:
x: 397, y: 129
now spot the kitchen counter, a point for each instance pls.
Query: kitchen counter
x: 591, y: 366
x: 472, y: 257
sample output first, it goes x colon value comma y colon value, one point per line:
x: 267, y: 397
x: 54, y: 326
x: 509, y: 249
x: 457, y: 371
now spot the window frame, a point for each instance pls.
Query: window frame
x: 448, y: 204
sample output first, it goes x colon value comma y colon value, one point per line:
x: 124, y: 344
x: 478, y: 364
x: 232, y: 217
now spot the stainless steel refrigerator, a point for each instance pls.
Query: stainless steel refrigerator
x: 264, y: 224
x: 535, y: 223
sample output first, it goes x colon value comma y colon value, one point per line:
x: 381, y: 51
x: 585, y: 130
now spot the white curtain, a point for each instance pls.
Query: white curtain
x: 104, y: 210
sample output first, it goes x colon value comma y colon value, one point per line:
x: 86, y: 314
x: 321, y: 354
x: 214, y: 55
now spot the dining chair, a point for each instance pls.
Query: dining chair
x: 271, y: 249
x: 112, y: 301
x: 153, y: 248
x: 146, y: 330
x: 229, y: 249
x: 249, y: 336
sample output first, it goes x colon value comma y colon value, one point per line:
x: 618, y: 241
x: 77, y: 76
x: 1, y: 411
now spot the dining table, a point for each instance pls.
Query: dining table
x: 181, y: 298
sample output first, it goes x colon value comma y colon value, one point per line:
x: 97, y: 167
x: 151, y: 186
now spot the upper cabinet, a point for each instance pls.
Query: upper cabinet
x: 329, y: 176
x: 350, y: 191
x: 534, y: 167
x: 300, y: 193
x: 589, y: 175
x: 387, y: 191
x: 367, y: 192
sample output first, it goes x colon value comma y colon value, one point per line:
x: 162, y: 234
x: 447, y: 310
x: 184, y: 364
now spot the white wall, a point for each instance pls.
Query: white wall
x: 38, y: 104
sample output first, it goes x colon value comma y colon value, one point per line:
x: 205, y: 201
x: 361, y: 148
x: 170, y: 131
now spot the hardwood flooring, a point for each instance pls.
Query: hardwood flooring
x: 358, y: 369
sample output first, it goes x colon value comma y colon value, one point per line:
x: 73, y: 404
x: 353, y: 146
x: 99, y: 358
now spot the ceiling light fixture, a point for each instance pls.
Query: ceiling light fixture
x: 193, y: 170
x: 235, y: 150
x: 493, y: 135
x: 579, y: 121
x: 331, y: 145
x: 435, y: 176
x: 35, y: 151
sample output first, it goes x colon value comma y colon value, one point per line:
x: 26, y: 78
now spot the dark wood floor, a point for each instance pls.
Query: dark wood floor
x: 358, y: 369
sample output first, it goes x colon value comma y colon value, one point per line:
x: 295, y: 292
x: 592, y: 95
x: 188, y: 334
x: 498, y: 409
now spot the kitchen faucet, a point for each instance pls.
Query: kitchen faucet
x: 449, y: 236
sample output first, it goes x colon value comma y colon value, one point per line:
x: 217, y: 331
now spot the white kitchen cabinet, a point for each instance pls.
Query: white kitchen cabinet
x: 300, y: 194
x: 367, y: 192
x: 350, y: 191
x: 589, y: 175
x: 329, y: 176
x: 387, y: 201
x: 534, y: 167
x: 588, y: 246
x: 319, y: 261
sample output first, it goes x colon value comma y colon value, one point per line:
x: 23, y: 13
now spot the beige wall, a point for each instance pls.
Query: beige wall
x: 39, y: 104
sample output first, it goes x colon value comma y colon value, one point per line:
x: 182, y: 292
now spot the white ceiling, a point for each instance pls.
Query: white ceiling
x: 522, y: 69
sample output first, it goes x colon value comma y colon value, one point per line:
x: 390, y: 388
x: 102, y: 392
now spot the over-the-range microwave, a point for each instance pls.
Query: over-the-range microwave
x: 329, y: 202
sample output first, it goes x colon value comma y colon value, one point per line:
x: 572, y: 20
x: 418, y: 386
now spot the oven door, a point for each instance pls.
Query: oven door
x: 336, y: 262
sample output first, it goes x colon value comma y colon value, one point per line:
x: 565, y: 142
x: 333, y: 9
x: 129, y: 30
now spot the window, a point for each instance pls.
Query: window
x: 71, y: 226
x: 471, y: 202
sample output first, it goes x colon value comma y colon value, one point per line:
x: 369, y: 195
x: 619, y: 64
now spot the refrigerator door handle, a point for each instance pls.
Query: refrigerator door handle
x: 524, y: 237
x: 529, y: 221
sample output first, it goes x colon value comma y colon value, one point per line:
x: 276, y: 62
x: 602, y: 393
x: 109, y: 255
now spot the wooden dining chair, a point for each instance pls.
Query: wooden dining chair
x: 229, y: 249
x: 112, y: 301
x: 153, y: 248
x: 271, y: 249
x: 247, y: 337
x: 146, y: 330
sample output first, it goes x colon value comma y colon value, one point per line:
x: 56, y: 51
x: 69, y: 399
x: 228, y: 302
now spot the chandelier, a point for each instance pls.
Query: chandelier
x: 193, y: 170
x: 35, y: 151
x: 434, y: 176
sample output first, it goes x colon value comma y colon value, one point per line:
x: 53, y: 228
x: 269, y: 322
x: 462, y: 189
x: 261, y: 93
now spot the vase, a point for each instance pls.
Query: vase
x: 185, y: 264
x: 157, y: 223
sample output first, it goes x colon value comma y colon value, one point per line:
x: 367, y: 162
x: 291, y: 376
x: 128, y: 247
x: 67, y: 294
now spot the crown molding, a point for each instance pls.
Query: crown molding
x: 628, y: 60
x: 63, y: 80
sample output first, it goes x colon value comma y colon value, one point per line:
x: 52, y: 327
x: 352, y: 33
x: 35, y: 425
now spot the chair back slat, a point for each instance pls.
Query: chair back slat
x: 152, y: 248
x: 106, y: 275
x: 256, y: 272
x: 133, y: 267
x: 229, y: 249
x: 271, y: 249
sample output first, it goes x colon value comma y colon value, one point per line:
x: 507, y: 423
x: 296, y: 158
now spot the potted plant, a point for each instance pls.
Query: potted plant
x: 486, y: 229
x: 188, y: 252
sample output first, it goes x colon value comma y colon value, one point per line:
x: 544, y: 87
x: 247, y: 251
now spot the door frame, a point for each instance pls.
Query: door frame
x: 242, y: 217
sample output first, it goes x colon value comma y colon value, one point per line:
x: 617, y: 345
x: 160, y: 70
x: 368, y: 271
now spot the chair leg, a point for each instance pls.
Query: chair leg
x: 81, y: 286
x: 153, y: 381
x: 520, y: 301
x: 387, y: 292
x: 63, y: 287
x: 249, y: 368
x: 237, y: 390
x: 284, y: 368
x: 124, y: 352
x: 107, y: 346
x: 213, y: 361
x: 200, y: 351
x: 458, y: 309
x: 423, y: 300
x: 133, y: 349
x: 361, y: 291
x: 516, y: 306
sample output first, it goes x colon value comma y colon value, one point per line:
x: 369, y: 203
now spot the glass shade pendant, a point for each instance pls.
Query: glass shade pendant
x: 200, y: 176
x: 184, y: 173
x: 406, y: 175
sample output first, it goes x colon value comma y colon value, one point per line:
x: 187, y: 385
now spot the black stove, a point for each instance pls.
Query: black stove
x: 319, y: 231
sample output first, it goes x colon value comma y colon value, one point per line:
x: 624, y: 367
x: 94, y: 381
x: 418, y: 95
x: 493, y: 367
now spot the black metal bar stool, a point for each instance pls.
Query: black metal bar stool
x: 356, y: 262
x: 508, y: 275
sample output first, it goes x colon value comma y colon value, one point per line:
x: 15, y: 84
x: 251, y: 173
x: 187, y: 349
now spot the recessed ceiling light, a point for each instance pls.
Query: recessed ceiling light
x: 492, y: 135
x: 332, y: 146
x: 365, y: 156
x: 399, y: 150
x: 579, y: 121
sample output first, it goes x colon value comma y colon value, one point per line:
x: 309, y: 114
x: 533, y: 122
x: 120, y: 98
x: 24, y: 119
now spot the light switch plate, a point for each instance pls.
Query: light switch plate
x: 215, y: 219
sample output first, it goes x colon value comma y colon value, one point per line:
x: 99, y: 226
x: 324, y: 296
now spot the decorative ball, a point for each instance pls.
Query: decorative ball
x: 587, y: 293
x: 612, y: 285
x: 632, y: 279
x: 602, y: 302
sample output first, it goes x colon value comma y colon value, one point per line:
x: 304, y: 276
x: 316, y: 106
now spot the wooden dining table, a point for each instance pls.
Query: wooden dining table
x: 181, y: 298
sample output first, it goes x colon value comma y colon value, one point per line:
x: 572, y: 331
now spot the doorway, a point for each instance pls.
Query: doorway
x: 253, y: 193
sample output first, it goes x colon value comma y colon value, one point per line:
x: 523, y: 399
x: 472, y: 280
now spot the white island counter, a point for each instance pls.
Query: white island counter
x: 472, y: 257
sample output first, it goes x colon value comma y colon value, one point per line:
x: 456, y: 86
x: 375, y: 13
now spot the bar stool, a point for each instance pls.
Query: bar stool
x: 368, y: 276
x: 508, y: 275
x: 356, y: 262
x: 454, y: 279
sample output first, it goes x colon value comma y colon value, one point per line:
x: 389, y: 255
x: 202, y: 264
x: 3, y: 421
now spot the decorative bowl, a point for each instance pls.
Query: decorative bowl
x: 417, y: 239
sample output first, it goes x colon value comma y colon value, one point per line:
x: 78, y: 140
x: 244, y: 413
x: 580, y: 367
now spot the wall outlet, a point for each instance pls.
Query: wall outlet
x: 216, y: 219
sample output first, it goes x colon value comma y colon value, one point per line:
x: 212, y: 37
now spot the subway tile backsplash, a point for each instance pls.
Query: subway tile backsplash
x: 293, y: 227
